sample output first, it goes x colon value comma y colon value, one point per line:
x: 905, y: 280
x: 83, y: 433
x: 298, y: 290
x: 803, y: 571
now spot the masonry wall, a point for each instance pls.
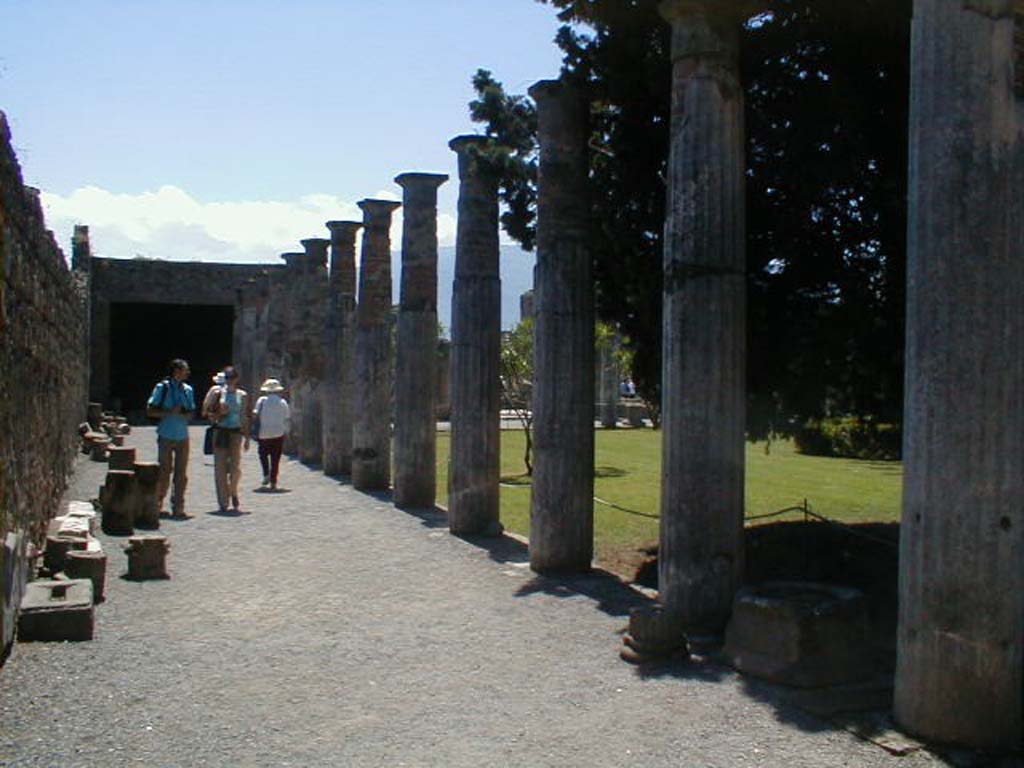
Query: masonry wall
x: 43, y: 372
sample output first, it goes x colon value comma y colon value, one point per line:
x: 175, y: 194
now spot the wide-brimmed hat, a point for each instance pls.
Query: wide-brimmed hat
x: 271, y: 385
x: 218, y: 378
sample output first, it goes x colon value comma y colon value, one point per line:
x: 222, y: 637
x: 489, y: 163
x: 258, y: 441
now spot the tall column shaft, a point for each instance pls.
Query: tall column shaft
x: 562, y: 502
x: 415, y: 363
x: 476, y: 350
x: 313, y: 308
x: 292, y: 348
x: 961, y: 620
x: 700, y: 559
x: 371, y: 424
x: 339, y: 350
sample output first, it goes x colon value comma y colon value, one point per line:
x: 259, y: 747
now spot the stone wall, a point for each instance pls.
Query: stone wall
x: 43, y: 373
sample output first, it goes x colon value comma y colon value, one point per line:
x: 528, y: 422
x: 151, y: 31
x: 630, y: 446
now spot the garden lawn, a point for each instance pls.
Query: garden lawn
x: 627, y: 485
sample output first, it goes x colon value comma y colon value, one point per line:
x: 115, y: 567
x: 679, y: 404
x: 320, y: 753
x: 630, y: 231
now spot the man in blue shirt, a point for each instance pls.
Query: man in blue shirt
x: 173, y: 403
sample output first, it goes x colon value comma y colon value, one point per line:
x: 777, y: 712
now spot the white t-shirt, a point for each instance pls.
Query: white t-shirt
x: 274, y: 414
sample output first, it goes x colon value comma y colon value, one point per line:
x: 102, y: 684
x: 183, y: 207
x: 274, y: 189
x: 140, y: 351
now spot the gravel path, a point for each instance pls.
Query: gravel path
x: 327, y: 628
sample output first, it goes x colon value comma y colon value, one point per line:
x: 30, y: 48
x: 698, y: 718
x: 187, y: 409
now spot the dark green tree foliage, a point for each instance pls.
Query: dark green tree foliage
x: 826, y: 118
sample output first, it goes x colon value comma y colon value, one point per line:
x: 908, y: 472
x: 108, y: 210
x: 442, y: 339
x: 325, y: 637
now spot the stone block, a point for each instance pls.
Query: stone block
x: 84, y: 510
x: 147, y: 506
x: 57, y: 548
x: 91, y: 565
x: 119, y: 500
x: 147, y: 557
x: 56, y: 610
x: 802, y: 634
x: 121, y: 458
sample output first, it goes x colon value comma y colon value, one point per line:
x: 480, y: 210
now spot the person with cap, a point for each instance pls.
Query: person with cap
x: 227, y: 406
x: 269, y: 426
x: 173, y: 403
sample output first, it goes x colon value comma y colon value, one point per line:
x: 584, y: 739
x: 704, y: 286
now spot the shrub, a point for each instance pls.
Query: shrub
x: 850, y: 437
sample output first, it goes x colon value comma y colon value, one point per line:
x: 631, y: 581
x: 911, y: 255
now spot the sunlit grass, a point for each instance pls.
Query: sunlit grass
x: 628, y: 472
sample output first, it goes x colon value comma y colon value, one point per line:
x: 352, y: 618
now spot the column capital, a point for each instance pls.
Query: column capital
x: 470, y: 141
x: 292, y: 257
x: 546, y: 89
x: 343, y: 229
x: 373, y: 208
x: 418, y: 179
x: 705, y: 29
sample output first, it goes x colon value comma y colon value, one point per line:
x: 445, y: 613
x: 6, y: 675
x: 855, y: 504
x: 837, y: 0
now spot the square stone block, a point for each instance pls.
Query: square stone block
x: 800, y: 633
x: 56, y: 610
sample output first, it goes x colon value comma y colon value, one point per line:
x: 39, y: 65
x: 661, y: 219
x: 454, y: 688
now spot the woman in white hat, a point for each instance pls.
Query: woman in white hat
x: 269, y: 426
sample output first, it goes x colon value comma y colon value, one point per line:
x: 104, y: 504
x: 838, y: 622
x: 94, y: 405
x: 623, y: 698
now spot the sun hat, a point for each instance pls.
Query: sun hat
x: 271, y: 385
x: 218, y: 378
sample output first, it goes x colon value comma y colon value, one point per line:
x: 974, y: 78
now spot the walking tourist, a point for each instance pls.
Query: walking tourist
x: 270, y: 421
x: 227, y: 408
x: 173, y: 403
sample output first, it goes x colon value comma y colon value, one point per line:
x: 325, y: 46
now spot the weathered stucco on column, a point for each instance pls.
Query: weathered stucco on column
x: 476, y: 349
x: 700, y: 560
x: 959, y: 668
x: 562, y: 501
x: 339, y: 352
x: 371, y: 431
x: 415, y: 362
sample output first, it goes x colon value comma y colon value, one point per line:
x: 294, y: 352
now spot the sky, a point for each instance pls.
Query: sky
x: 226, y: 130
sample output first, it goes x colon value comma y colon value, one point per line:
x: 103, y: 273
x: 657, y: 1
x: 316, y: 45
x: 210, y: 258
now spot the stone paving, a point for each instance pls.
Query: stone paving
x: 324, y: 627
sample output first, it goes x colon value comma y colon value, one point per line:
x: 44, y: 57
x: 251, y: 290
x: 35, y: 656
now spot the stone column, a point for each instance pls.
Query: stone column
x: 415, y: 362
x: 961, y: 620
x: 700, y: 560
x: 610, y: 377
x: 476, y: 349
x: 313, y: 306
x: 371, y: 423
x: 291, y: 347
x: 340, y: 341
x: 562, y: 504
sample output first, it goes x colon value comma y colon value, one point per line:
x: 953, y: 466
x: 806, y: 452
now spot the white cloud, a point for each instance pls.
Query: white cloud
x: 171, y: 224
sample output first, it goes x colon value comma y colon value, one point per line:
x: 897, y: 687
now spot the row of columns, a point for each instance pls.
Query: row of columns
x: 961, y: 616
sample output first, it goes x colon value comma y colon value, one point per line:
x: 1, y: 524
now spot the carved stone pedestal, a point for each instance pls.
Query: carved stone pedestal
x: 147, y: 557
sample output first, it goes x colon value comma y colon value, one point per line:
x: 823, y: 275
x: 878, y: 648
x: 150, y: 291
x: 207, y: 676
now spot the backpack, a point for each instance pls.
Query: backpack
x: 165, y: 384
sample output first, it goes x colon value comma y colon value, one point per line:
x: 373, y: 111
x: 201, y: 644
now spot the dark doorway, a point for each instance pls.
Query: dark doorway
x: 144, y: 338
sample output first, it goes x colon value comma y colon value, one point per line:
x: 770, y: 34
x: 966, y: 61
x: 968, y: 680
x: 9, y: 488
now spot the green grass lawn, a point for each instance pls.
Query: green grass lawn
x: 628, y: 469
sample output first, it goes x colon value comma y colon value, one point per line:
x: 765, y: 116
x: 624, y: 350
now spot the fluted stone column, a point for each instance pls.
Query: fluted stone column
x: 415, y: 362
x: 476, y: 349
x: 562, y: 503
x: 609, y: 378
x: 292, y: 347
x: 700, y: 560
x: 340, y: 346
x: 371, y: 424
x: 961, y: 619
x: 314, y: 321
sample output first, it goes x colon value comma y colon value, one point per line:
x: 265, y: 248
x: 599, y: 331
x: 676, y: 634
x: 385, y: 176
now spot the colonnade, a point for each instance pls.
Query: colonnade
x: 961, y: 615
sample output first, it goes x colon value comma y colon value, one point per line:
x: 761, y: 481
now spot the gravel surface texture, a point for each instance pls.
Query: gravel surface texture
x: 324, y: 627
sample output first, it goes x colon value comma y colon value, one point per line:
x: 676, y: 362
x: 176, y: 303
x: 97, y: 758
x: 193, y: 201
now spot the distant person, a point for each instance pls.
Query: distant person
x: 627, y: 388
x: 270, y: 422
x: 173, y: 403
x: 227, y: 407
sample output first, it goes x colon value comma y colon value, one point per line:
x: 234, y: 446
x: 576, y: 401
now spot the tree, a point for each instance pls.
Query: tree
x: 826, y: 95
x: 517, y: 381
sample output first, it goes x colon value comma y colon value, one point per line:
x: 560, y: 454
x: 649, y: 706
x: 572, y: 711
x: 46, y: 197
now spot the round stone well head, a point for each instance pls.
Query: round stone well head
x: 804, y: 634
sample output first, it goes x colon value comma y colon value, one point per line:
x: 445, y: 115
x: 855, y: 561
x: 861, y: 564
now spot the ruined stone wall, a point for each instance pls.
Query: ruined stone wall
x: 43, y: 374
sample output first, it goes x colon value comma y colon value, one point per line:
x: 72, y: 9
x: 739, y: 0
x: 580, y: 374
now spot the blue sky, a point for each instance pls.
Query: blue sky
x: 228, y: 130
